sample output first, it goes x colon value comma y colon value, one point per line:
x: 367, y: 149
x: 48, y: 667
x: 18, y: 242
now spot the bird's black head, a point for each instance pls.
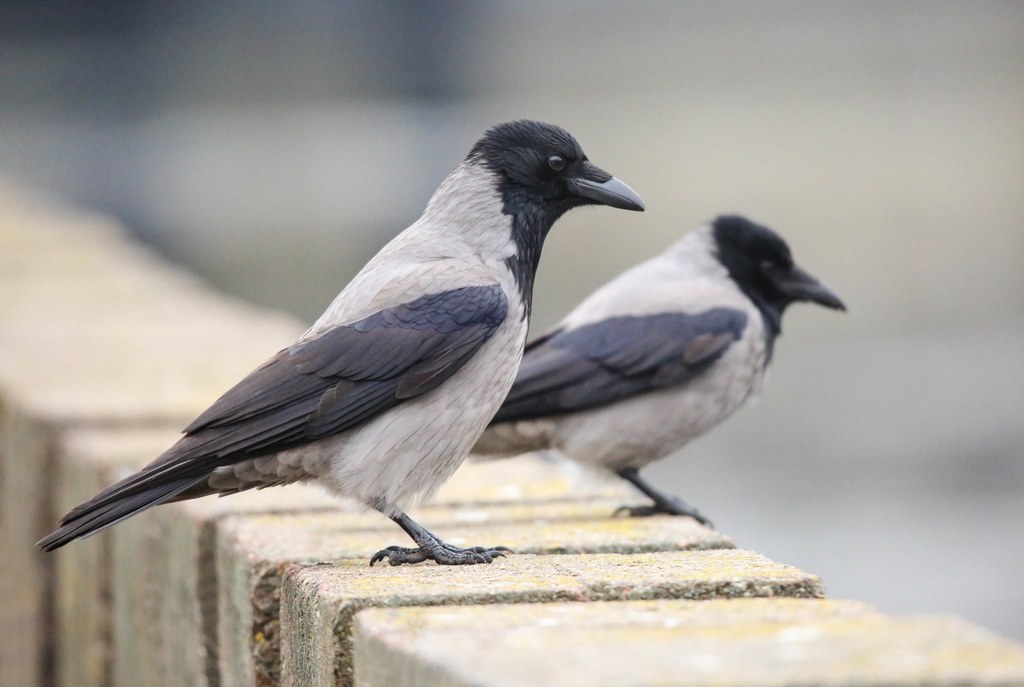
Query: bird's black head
x: 760, y: 263
x: 541, y: 173
x: 542, y: 165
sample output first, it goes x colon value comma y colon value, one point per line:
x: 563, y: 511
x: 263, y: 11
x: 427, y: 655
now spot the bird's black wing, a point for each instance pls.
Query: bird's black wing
x: 312, y: 390
x: 606, y: 361
x: 350, y: 373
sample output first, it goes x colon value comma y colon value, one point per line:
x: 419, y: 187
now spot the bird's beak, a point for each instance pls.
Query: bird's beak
x: 801, y: 286
x: 597, y: 186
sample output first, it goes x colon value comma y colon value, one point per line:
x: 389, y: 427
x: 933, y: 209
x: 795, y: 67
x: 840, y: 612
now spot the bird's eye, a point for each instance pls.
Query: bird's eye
x: 556, y: 162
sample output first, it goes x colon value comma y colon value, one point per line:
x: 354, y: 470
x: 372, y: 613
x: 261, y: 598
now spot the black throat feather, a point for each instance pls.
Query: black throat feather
x: 532, y: 194
x: 771, y: 313
x: 530, y: 226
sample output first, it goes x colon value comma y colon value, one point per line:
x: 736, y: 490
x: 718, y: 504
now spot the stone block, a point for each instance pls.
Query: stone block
x: 26, y: 450
x: 742, y: 642
x: 253, y: 552
x: 319, y: 602
x: 142, y: 592
x: 526, y: 503
x: 165, y: 598
x: 529, y: 478
x: 94, y: 330
x: 92, y: 459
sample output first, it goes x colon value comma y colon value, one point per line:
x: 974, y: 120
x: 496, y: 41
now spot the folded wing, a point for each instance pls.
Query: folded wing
x: 606, y: 361
x: 312, y: 390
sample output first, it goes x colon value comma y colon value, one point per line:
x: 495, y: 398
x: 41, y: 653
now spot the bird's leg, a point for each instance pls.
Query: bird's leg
x: 663, y: 503
x: 431, y: 547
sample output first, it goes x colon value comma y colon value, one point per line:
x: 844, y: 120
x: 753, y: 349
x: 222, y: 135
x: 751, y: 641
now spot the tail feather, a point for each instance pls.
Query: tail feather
x: 101, y: 512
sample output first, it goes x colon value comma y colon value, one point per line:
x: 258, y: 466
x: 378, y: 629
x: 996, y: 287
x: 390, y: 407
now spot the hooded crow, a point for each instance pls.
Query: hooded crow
x: 658, y: 356
x: 383, y: 397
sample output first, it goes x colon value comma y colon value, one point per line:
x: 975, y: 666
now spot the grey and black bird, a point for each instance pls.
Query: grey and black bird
x: 658, y: 356
x: 383, y: 397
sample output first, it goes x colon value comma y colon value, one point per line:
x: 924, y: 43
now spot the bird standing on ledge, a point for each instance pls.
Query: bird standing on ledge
x: 383, y: 397
x: 658, y: 356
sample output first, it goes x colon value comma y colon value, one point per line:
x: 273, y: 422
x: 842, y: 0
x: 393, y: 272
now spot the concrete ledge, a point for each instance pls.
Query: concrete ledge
x: 144, y: 591
x: 91, y: 459
x: 319, y: 602
x: 105, y: 350
x: 253, y: 551
x: 26, y: 610
x: 743, y: 642
x: 94, y: 332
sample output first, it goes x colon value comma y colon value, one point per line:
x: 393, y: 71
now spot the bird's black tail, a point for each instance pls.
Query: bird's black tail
x: 111, y: 506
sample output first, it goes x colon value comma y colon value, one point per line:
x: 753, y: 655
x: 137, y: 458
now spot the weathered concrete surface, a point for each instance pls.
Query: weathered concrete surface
x: 94, y: 330
x: 145, y: 591
x: 162, y: 571
x: 165, y: 599
x: 253, y: 552
x: 545, y: 510
x: 177, y: 584
x: 529, y: 478
x: 95, y: 327
x: 25, y: 609
x: 550, y: 527
x: 318, y: 603
x: 150, y: 579
x: 84, y: 586
x: 742, y: 642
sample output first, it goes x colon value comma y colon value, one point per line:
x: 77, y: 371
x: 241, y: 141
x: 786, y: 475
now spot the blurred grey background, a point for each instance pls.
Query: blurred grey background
x: 274, y: 147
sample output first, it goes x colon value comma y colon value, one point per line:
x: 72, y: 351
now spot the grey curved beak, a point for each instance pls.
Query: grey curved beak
x: 801, y: 286
x: 612, y: 192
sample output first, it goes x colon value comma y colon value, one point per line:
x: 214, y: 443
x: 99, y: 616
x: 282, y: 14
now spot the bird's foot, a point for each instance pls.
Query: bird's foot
x: 441, y: 553
x: 672, y: 506
x: 431, y: 547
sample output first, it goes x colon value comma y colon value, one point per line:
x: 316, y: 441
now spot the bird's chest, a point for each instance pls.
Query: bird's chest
x: 644, y: 428
x: 486, y: 379
x: 737, y: 375
x: 715, y: 395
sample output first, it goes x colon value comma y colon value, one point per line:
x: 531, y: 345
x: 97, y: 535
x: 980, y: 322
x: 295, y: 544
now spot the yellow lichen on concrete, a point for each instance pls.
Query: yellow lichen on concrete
x: 341, y: 590
x: 333, y: 535
x: 663, y: 613
x: 746, y: 642
x: 527, y: 478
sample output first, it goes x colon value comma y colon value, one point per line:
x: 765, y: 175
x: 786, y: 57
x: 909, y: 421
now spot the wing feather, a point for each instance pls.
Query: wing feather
x: 312, y: 390
x: 606, y: 361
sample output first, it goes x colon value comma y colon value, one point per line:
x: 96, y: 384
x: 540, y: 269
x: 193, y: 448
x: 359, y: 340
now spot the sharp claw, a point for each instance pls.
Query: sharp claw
x: 441, y: 553
x: 397, y: 555
x: 647, y: 511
